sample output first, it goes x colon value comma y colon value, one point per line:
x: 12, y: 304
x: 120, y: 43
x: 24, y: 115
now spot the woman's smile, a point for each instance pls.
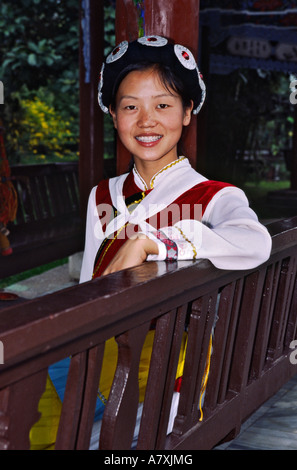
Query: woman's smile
x: 148, y: 140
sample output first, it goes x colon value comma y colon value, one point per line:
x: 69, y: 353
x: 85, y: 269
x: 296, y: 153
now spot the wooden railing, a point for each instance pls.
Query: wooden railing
x: 48, y: 225
x: 254, y: 312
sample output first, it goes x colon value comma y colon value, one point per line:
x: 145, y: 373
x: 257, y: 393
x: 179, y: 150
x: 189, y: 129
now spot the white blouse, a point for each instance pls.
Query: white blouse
x: 229, y: 233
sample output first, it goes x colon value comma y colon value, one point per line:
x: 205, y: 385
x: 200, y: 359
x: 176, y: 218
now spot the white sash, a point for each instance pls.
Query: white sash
x: 171, y: 183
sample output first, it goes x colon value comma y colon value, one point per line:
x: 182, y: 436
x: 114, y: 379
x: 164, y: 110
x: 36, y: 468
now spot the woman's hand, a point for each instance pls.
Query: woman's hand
x: 134, y: 252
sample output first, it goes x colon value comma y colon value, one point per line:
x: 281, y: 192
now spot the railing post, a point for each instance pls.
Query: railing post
x: 120, y: 414
x: 19, y: 411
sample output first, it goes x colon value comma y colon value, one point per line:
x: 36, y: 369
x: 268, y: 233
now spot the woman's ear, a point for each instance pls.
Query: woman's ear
x: 188, y: 114
x: 114, y: 116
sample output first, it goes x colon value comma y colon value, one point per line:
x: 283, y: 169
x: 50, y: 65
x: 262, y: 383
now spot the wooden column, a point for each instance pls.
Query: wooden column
x: 177, y: 20
x: 91, y: 117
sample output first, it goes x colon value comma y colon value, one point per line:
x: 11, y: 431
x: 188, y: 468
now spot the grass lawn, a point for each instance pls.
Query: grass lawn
x: 32, y: 272
x: 257, y: 196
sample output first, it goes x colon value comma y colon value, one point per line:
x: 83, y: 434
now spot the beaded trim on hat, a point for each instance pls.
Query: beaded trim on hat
x: 183, y: 54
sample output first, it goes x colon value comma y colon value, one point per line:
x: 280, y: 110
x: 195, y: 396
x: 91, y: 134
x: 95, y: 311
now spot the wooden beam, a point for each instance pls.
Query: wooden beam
x: 91, y: 117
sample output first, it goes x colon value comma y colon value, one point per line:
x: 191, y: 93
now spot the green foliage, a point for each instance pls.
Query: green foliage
x: 47, y: 134
x: 250, y: 125
x: 109, y: 26
x: 43, y: 35
x: 39, y: 51
x: 39, y: 65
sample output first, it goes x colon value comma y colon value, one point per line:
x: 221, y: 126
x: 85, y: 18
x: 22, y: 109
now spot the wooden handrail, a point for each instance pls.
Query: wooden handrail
x: 77, y: 321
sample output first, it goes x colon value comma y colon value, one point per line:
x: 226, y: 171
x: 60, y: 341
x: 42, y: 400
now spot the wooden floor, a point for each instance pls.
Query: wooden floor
x: 273, y: 426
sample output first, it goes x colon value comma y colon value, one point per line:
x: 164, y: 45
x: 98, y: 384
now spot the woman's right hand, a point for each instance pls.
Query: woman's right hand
x: 134, y: 252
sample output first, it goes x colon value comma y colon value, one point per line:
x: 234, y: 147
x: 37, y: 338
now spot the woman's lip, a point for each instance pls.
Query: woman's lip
x: 148, y: 139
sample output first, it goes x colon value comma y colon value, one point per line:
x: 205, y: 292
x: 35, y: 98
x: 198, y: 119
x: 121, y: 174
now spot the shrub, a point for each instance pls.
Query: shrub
x: 46, y: 135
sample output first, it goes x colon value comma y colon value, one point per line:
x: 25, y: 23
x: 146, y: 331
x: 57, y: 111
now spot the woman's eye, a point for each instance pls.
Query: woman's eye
x: 163, y: 106
x: 130, y: 107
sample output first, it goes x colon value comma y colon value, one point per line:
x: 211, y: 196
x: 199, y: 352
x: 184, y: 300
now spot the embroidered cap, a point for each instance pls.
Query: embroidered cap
x: 154, y: 49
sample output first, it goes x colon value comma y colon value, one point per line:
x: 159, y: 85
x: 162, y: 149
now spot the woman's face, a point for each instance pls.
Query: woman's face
x: 149, y: 119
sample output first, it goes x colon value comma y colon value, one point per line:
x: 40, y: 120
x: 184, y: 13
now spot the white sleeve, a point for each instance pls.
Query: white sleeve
x: 229, y: 235
x: 93, y: 238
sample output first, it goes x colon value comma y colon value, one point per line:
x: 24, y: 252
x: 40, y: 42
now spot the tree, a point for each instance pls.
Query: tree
x: 249, y: 112
x: 38, y: 56
x: 39, y: 41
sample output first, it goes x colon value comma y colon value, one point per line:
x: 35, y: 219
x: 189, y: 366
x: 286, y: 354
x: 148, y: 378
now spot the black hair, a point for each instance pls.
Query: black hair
x: 168, y: 78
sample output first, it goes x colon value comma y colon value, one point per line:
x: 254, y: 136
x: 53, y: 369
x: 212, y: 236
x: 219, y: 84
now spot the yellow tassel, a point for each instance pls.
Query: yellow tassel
x: 205, y: 378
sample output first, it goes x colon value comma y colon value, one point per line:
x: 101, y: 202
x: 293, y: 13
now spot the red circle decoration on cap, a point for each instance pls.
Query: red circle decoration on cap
x: 155, y: 41
x: 185, y: 57
x: 117, y: 52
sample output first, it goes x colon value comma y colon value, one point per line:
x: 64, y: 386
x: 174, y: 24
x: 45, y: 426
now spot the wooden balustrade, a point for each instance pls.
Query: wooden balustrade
x: 48, y: 225
x: 253, y: 315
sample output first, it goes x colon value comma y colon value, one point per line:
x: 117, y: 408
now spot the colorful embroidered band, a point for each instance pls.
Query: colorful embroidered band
x: 171, y: 246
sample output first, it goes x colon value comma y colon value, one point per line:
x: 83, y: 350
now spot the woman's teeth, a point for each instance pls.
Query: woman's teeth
x: 148, y: 138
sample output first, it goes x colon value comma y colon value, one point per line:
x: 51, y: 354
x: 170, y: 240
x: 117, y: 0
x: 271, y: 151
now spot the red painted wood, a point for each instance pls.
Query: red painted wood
x: 177, y: 20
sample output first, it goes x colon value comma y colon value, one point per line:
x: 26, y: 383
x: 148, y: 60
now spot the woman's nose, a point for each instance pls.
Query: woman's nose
x: 146, y: 119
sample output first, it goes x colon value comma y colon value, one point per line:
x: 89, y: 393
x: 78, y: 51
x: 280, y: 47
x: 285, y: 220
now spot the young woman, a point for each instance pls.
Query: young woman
x: 162, y: 209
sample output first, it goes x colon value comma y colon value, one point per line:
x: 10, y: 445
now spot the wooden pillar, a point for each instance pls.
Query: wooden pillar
x: 91, y: 117
x: 177, y: 20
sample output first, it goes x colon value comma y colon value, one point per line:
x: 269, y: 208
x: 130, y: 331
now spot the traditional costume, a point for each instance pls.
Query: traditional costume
x: 187, y: 215
x: 205, y: 219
